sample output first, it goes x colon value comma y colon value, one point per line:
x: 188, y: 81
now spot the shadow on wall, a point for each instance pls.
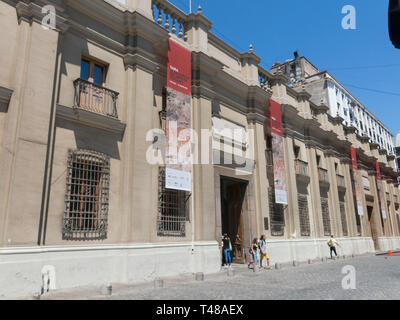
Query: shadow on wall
x: 89, y: 138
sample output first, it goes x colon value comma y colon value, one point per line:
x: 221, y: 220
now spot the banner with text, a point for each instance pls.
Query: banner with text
x: 178, y: 157
x: 277, y: 153
x: 353, y: 155
x: 380, y: 190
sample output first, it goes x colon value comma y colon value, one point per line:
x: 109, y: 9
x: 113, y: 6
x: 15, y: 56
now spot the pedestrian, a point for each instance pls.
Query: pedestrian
x: 254, y: 254
x: 332, y: 243
x: 227, y: 248
x: 262, y: 246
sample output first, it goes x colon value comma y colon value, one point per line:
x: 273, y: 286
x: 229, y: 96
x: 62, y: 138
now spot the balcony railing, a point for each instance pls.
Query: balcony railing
x: 340, y: 181
x: 323, y: 175
x: 170, y: 18
x: 264, y: 78
x: 301, y: 168
x: 94, y: 98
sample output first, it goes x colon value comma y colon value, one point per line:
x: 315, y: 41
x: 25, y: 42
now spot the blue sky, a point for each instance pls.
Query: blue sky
x: 361, y: 58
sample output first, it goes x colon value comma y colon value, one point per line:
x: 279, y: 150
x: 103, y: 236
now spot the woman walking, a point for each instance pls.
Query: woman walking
x: 227, y: 248
x: 254, y: 254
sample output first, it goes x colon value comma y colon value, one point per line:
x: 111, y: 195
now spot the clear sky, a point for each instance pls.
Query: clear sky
x: 361, y: 58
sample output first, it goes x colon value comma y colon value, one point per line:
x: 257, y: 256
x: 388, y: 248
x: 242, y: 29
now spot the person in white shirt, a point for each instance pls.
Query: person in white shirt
x: 262, y: 245
x: 332, y: 243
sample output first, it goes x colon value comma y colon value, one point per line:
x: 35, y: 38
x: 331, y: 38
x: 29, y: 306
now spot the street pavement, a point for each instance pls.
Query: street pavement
x: 376, y: 277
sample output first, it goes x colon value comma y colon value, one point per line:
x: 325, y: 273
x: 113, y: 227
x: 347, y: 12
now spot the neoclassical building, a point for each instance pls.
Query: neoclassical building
x: 81, y: 203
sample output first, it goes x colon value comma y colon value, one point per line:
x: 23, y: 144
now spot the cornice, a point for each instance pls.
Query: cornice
x: 32, y: 12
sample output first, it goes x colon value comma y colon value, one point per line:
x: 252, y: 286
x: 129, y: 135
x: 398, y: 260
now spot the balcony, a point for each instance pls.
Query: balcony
x: 341, y: 183
x: 323, y: 175
x: 302, y: 169
x: 93, y: 98
x: 94, y: 106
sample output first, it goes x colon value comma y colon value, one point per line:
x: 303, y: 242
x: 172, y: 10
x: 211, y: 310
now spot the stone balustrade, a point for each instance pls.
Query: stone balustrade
x: 170, y: 17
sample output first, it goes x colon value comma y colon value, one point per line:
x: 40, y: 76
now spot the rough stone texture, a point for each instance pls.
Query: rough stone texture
x: 376, y: 278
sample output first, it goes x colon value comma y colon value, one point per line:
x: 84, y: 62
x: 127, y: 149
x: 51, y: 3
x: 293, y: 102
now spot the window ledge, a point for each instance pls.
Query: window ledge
x: 91, y: 119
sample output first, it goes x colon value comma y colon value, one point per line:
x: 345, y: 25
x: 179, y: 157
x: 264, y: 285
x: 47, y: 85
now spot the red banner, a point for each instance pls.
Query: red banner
x: 179, y: 73
x: 278, y: 153
x: 178, y: 174
x: 353, y: 155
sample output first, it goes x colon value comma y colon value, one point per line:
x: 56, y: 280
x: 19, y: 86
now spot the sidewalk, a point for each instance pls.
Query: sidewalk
x: 119, y: 289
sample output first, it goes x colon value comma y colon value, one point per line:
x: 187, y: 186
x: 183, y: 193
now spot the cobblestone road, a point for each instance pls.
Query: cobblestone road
x: 377, y: 277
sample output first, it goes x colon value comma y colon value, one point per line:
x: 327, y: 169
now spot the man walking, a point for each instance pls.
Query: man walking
x: 332, y: 245
x: 262, y: 245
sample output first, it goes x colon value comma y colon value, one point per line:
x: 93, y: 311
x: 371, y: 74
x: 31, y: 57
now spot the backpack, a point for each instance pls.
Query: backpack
x: 331, y: 243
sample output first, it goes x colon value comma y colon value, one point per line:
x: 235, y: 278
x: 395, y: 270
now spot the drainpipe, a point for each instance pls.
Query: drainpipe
x: 50, y: 149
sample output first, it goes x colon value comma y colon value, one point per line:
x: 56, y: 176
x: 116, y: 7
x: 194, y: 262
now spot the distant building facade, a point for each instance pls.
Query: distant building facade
x: 79, y: 198
x: 341, y: 102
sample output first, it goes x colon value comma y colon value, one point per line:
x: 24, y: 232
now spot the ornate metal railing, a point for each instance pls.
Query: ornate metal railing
x: 94, y: 98
x: 323, y: 175
x: 340, y: 181
x: 301, y: 168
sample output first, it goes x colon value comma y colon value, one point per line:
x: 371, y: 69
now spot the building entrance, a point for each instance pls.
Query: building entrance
x: 232, y: 198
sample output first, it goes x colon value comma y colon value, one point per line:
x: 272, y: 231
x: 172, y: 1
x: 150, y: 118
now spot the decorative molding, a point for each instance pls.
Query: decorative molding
x: 91, y: 119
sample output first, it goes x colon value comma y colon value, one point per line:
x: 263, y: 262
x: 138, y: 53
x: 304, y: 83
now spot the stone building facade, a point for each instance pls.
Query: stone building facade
x: 80, y: 202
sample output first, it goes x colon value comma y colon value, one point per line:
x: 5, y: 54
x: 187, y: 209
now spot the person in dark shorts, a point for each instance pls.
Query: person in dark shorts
x: 226, y: 249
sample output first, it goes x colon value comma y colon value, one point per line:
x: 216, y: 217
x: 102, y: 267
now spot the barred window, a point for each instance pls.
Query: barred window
x: 303, y: 215
x: 172, y: 209
x: 87, y: 195
x: 276, y: 214
x: 325, y: 216
x: 343, y: 218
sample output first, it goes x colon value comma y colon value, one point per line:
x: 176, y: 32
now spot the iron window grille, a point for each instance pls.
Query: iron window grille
x: 276, y: 214
x: 87, y: 196
x: 304, y: 216
x: 172, y: 209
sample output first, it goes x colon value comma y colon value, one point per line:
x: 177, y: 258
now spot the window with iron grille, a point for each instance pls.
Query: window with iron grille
x: 172, y: 209
x: 343, y: 218
x: 87, y: 196
x: 276, y: 214
x: 303, y: 215
x: 325, y: 216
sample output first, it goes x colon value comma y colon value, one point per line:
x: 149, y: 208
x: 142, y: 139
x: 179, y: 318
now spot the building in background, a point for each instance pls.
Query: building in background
x: 324, y: 87
x: 81, y: 202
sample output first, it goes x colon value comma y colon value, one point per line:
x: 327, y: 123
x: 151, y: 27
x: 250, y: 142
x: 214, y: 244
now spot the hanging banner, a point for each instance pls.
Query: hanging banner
x: 277, y: 153
x: 380, y: 190
x: 178, y: 158
x: 353, y: 155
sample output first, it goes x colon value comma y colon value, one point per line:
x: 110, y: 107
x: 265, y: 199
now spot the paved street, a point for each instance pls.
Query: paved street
x: 377, y: 277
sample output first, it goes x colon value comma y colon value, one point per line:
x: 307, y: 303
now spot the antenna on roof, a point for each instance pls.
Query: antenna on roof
x: 190, y: 6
